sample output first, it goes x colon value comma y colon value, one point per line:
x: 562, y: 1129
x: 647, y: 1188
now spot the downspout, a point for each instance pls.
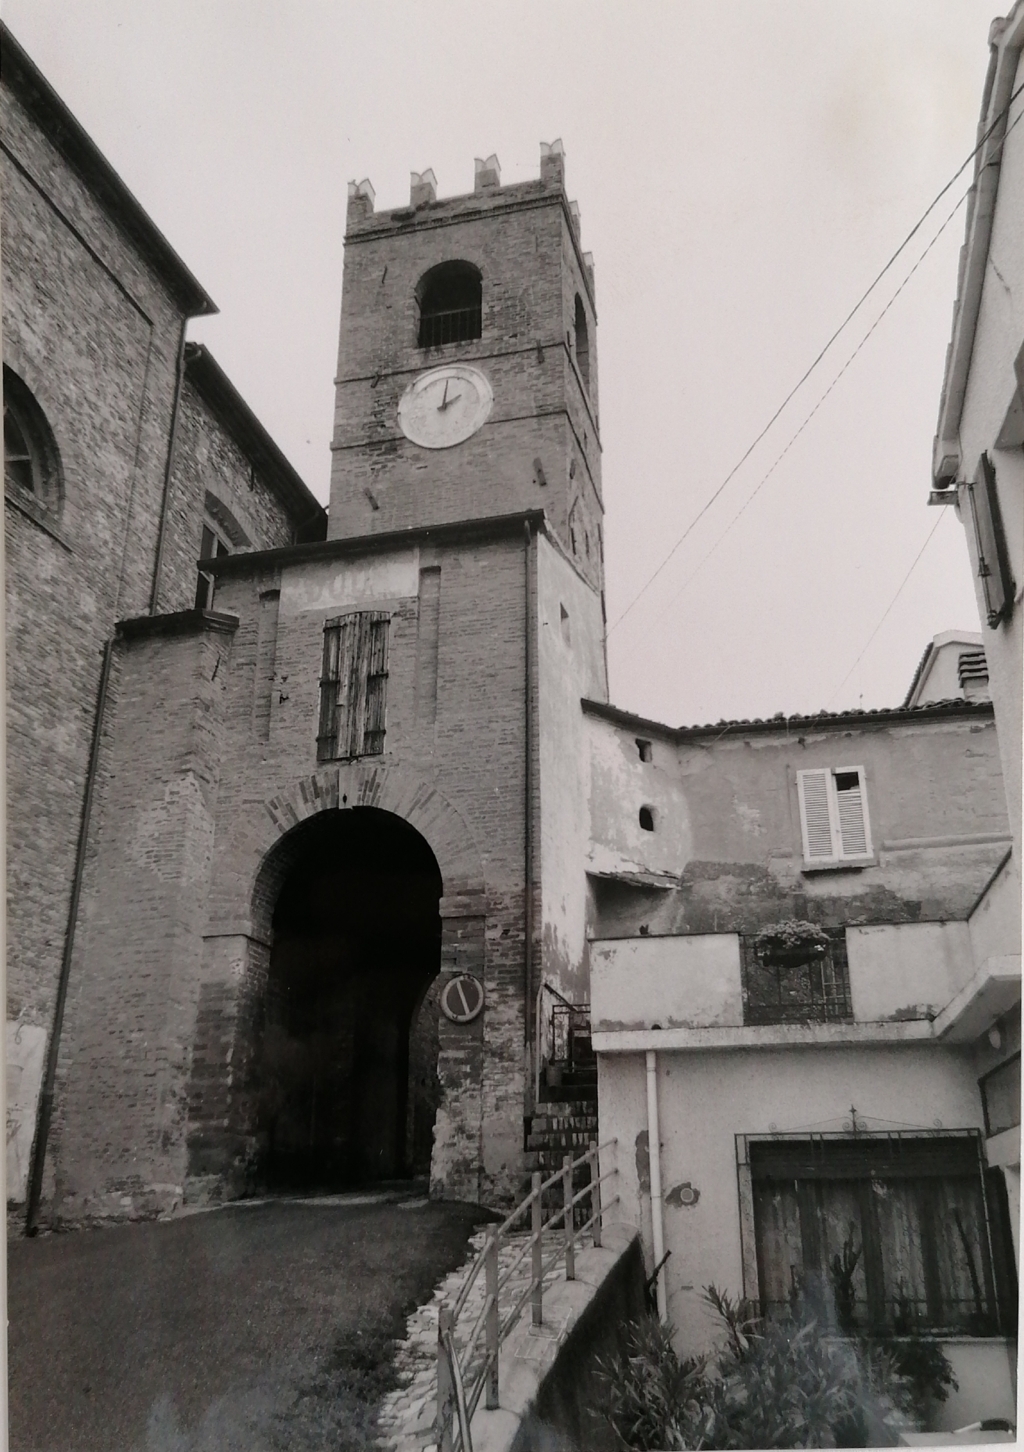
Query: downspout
x: 154, y: 598
x: 53, y: 1047
x: 527, y: 813
x: 654, y: 1150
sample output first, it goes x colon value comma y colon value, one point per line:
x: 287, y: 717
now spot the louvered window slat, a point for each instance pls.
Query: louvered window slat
x: 834, y: 814
x: 814, y: 811
x: 353, y: 686
x: 852, y: 833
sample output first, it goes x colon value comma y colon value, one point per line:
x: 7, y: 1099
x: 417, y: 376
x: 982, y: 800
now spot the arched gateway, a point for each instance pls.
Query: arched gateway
x: 332, y: 1074
x: 345, y: 1063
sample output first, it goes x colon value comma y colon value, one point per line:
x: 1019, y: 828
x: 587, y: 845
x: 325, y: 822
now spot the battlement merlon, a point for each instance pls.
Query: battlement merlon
x: 426, y: 210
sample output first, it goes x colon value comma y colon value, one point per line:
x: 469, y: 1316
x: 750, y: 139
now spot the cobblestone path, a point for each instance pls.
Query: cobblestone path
x: 406, y: 1417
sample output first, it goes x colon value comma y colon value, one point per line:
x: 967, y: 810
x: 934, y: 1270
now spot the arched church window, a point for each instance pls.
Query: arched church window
x: 450, y: 298
x: 582, y: 343
x: 31, y: 462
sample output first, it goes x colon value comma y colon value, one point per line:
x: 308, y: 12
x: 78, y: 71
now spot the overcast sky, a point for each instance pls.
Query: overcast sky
x: 743, y: 171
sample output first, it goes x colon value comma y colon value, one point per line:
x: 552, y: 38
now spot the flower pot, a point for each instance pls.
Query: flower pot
x: 789, y: 957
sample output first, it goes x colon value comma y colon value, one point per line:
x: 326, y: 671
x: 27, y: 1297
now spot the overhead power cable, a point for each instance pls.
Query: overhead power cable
x: 888, y: 609
x: 810, y: 369
x: 779, y: 458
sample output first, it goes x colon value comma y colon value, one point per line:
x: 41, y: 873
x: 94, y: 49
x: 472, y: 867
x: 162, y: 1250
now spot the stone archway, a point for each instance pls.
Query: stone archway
x: 356, y: 784
x: 226, y: 1146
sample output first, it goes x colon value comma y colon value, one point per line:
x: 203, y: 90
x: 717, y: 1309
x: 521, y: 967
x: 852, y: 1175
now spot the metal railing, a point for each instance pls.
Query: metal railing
x: 566, y: 1023
x: 454, y: 325
x: 456, y: 1402
x: 570, y: 1034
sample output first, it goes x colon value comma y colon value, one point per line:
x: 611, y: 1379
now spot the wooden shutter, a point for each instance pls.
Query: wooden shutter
x: 993, y: 561
x: 376, y: 647
x: 851, y: 810
x: 815, y: 819
x: 327, y: 733
x: 353, y: 686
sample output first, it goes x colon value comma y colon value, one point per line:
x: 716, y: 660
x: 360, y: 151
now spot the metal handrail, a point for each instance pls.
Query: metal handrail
x: 546, y: 987
x: 455, y: 1407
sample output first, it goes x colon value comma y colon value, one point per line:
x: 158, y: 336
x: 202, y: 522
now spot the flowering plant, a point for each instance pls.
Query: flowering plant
x: 791, y: 936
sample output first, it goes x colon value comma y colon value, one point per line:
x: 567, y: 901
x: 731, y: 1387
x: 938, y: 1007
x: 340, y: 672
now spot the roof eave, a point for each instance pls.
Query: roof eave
x: 222, y: 397
x: 823, y: 721
x: 1006, y: 41
x: 24, y: 78
x: 487, y: 528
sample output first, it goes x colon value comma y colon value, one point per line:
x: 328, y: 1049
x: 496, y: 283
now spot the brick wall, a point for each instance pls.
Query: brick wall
x: 458, y: 778
x: 207, y: 460
x: 521, y: 240
x: 93, y: 333
x: 117, y: 1145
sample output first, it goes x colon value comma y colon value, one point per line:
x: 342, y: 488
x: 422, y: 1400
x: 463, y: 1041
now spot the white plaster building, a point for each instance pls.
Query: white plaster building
x: 777, y: 1111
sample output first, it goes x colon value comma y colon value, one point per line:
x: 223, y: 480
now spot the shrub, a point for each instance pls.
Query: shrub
x: 654, y: 1400
x: 773, y: 1383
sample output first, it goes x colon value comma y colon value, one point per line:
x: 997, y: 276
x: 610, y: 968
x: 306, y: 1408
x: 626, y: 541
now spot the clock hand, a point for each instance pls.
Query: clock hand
x: 444, y: 401
x: 454, y: 399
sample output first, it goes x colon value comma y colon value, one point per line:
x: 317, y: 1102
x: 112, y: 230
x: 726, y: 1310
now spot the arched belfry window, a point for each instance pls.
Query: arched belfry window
x: 450, y: 298
x: 582, y: 343
x: 31, y: 462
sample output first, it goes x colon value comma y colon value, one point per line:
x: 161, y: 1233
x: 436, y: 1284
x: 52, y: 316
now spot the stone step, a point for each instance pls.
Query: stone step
x: 540, y: 1123
x: 567, y: 1093
x: 576, y: 1140
x: 549, y: 1160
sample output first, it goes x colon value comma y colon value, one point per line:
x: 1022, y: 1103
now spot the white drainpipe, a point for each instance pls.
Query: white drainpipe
x: 654, y: 1148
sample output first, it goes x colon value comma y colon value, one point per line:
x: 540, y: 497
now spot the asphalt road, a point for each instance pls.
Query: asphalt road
x: 255, y: 1327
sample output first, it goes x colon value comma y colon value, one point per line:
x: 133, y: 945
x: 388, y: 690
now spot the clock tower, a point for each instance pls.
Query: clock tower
x: 467, y: 382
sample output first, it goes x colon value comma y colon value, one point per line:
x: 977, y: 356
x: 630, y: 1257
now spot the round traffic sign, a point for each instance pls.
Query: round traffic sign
x: 462, y: 998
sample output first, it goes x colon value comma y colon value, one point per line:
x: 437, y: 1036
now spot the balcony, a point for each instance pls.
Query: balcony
x: 796, y: 986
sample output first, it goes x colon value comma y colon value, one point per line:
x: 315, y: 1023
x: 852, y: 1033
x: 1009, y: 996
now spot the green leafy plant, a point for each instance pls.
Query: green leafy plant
x: 789, y: 937
x: 652, y: 1398
x: 782, y: 1384
x: 923, y: 1368
x: 771, y: 1383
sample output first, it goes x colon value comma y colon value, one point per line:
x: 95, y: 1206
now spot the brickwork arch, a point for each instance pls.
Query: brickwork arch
x: 363, y: 784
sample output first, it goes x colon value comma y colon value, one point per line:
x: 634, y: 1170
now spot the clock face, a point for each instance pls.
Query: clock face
x: 445, y: 406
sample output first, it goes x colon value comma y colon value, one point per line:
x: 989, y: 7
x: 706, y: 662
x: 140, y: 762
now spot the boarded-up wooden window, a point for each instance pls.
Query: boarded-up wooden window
x: 212, y: 547
x: 834, y: 819
x: 353, y: 686
x: 993, y: 559
x: 880, y: 1235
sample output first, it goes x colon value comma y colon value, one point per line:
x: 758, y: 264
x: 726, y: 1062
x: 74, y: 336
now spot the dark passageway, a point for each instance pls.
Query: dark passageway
x: 348, y: 1011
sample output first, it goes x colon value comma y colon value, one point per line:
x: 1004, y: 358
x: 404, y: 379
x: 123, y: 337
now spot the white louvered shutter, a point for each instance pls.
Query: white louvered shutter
x: 815, y: 821
x: 852, y: 811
